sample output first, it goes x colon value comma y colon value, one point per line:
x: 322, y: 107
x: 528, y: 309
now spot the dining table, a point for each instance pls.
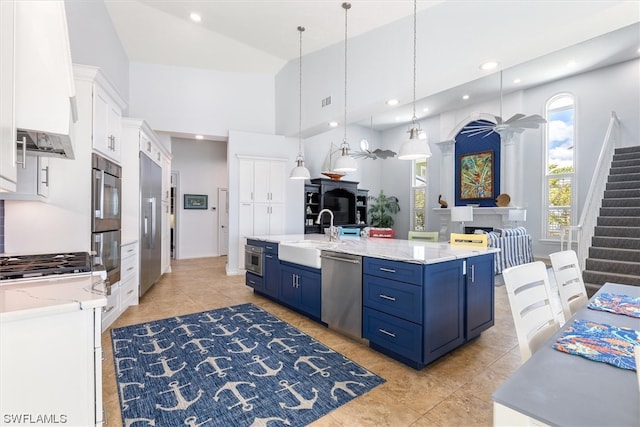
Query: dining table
x: 561, y: 389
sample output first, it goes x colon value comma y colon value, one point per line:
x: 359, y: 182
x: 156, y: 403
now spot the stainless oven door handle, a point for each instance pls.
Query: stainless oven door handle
x: 99, y: 177
x: 98, y: 249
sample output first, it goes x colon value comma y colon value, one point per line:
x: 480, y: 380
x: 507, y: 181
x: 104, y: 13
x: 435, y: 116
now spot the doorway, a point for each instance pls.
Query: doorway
x: 223, y: 221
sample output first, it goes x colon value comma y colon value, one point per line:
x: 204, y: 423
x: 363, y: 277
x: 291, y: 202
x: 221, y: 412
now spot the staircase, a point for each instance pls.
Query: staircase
x: 614, y: 255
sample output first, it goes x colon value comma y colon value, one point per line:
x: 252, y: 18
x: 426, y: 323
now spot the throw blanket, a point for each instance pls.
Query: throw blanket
x: 600, y: 342
x: 515, y: 247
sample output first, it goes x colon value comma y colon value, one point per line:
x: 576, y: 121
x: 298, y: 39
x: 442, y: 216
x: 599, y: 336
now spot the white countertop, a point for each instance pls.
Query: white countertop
x: 28, y: 298
x: 394, y: 249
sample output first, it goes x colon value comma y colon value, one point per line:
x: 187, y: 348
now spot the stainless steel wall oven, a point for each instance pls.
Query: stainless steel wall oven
x: 253, y: 258
x: 106, y: 197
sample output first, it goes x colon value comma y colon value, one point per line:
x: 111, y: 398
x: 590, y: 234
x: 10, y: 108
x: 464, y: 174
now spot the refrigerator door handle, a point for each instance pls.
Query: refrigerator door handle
x: 152, y: 201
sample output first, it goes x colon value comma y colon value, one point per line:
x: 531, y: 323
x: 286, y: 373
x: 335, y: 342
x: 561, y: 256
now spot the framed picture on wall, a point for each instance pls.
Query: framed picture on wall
x: 196, y: 201
x: 477, y: 175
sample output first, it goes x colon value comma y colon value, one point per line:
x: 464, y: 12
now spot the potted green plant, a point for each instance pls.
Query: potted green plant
x: 381, y: 209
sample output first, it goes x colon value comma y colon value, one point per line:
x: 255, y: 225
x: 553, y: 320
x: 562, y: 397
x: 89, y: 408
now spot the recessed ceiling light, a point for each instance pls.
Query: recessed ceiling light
x: 639, y: 50
x: 425, y: 109
x: 516, y: 81
x: 199, y: 137
x: 489, y: 65
x: 571, y: 64
x: 333, y: 124
x: 195, y: 17
x: 392, y: 102
x: 465, y: 97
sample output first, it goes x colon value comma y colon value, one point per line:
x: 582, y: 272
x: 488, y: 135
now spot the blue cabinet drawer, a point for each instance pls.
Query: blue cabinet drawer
x: 270, y: 248
x: 254, y: 281
x: 397, y: 335
x: 394, y: 270
x: 400, y: 299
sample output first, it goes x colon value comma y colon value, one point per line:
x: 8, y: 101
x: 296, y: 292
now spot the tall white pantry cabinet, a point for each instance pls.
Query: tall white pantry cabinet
x: 262, y: 183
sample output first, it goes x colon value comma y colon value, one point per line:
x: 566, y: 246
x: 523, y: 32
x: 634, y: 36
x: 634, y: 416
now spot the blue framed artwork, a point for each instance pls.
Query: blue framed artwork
x: 196, y: 201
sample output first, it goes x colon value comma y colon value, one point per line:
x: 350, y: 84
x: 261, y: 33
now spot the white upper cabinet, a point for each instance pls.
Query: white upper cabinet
x: 8, y: 152
x: 107, y: 124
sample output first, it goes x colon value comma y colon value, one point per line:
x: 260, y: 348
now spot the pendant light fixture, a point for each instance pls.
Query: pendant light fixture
x: 300, y: 171
x: 417, y: 146
x: 345, y: 163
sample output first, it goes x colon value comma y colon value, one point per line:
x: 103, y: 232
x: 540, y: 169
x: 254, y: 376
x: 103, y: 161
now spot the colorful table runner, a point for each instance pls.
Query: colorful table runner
x: 618, y: 304
x: 600, y: 342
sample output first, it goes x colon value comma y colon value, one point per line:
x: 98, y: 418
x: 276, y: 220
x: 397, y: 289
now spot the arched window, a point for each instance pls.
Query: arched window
x: 560, y: 155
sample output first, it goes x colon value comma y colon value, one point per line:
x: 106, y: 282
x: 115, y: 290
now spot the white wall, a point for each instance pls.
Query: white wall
x: 94, y: 41
x: 202, y: 169
x: 268, y: 146
x: 198, y: 101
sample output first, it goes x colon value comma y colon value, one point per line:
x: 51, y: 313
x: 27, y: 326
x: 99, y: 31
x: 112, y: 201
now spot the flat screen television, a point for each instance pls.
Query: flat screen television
x: 342, y: 204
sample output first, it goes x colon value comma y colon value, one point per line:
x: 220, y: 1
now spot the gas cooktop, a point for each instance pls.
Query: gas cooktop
x: 23, y: 266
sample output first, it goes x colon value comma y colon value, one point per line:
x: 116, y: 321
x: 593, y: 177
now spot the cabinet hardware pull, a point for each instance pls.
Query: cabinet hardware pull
x: 388, y: 270
x: 110, y: 308
x: 392, y: 335
x: 252, y: 282
x: 130, y: 292
x: 130, y: 268
x: 473, y: 273
x: 46, y: 175
x: 268, y: 256
x: 387, y: 297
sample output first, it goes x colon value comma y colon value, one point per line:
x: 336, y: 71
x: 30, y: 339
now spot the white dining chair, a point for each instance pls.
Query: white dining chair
x: 529, y: 295
x: 566, y: 269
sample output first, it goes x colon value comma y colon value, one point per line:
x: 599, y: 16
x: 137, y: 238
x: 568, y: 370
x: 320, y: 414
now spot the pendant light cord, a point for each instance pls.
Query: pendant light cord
x: 414, y: 118
x: 300, y: 29
x: 346, y: 7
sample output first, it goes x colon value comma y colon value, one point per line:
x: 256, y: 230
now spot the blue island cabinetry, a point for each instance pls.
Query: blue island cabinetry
x: 416, y: 313
x: 269, y: 282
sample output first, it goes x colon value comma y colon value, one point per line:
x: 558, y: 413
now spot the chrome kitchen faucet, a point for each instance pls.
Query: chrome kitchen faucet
x: 333, y: 231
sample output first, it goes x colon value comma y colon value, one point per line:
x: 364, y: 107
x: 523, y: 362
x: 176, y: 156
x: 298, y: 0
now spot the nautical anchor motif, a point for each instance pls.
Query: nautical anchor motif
x: 291, y: 331
x: 317, y: 369
x: 191, y: 421
x: 242, y: 316
x: 187, y: 331
x: 344, y: 386
x: 116, y: 341
x: 304, y: 403
x: 328, y: 350
x: 285, y: 347
x: 168, y: 372
x: 243, y: 348
x: 181, y: 402
x: 122, y: 386
x: 129, y: 421
x: 364, y: 372
x: 147, y: 327
x: 273, y: 319
x: 269, y: 372
x: 156, y: 347
x: 216, y: 369
x: 233, y: 388
x: 199, y: 347
x: 119, y: 369
x: 210, y: 318
x: 264, y: 422
x: 225, y: 332
x: 177, y: 320
x: 260, y: 327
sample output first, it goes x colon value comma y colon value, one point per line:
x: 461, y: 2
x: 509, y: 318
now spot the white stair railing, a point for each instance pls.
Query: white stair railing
x: 582, y: 233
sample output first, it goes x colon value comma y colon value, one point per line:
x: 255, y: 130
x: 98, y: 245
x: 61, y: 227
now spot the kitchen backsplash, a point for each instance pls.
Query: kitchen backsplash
x: 1, y: 226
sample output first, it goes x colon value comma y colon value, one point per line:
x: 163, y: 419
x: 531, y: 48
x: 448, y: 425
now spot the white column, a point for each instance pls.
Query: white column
x: 509, y: 176
x: 447, y: 168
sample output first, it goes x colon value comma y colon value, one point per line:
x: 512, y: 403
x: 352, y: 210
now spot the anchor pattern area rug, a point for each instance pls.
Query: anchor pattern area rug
x: 235, y: 366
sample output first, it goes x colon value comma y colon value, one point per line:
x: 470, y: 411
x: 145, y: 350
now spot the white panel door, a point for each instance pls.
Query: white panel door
x: 223, y: 221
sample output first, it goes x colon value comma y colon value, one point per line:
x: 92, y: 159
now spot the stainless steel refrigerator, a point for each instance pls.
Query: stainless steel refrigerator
x: 150, y: 223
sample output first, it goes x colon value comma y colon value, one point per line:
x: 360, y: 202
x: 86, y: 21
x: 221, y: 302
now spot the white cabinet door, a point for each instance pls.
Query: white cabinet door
x: 276, y: 218
x: 245, y: 181
x: 8, y: 152
x: 33, y: 180
x: 107, y: 127
x: 277, y: 181
x: 261, y: 187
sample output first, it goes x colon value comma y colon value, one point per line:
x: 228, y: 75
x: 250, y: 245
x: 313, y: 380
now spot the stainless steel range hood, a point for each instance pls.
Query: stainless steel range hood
x: 44, y: 85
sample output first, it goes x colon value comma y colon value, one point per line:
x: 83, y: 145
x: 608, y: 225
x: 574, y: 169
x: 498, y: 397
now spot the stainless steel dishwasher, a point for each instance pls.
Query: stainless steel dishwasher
x: 342, y: 292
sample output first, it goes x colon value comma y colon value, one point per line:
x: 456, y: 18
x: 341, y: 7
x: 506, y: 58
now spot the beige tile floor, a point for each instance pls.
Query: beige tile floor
x: 453, y: 391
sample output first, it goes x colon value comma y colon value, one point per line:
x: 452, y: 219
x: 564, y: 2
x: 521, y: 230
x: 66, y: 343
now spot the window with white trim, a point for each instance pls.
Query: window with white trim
x: 419, y: 195
x: 560, y: 155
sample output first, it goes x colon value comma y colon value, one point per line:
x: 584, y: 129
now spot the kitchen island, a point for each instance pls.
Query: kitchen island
x: 420, y: 300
